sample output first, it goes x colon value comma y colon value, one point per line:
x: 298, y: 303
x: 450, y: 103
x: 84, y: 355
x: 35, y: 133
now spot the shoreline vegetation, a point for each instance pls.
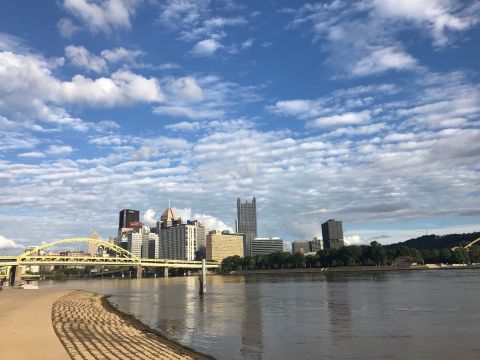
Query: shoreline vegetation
x: 373, y: 257
x: 90, y: 326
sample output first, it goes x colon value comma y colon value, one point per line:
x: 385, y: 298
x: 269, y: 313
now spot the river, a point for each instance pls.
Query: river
x: 388, y: 315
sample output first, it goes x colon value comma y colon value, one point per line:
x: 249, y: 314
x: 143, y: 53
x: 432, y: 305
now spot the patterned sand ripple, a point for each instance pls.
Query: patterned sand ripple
x: 88, y: 330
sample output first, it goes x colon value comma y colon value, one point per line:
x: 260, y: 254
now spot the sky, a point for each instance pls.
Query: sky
x: 364, y: 111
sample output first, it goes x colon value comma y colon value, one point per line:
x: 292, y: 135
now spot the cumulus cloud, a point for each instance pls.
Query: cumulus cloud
x: 121, y: 54
x: 149, y: 217
x: 67, y: 28
x: 81, y: 57
x: 341, y: 119
x: 206, y: 47
x: 353, y: 240
x: 210, y: 222
x: 59, y: 149
x: 371, y: 30
x: 440, y: 17
x: 6, y: 243
x: 102, y: 16
x: 195, y: 22
x: 34, y: 94
x: 383, y: 59
x: 32, y: 154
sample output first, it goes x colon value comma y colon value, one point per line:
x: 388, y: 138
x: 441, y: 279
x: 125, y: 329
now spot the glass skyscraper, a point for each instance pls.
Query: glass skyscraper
x: 247, y: 222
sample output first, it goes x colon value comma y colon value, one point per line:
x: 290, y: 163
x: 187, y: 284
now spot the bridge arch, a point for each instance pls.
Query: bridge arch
x: 117, y: 249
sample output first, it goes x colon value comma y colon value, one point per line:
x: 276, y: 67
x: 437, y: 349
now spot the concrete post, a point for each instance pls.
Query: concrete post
x: 16, y: 275
x: 165, y: 272
x: 139, y: 272
x: 203, y: 278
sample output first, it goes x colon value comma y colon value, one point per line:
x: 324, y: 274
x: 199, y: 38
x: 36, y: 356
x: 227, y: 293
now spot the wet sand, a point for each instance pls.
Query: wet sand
x: 90, y: 328
x: 64, y: 324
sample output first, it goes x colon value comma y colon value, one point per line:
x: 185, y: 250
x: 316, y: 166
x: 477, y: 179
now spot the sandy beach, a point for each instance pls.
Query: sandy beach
x: 63, y: 324
x: 26, y: 330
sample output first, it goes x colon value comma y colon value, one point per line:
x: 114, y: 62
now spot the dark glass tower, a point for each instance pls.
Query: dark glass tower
x: 128, y: 216
x: 332, y: 233
x: 247, y: 222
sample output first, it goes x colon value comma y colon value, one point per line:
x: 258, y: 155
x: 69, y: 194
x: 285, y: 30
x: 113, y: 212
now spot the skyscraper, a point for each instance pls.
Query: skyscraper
x: 332, y: 233
x: 126, y: 217
x: 177, y: 241
x: 247, y: 223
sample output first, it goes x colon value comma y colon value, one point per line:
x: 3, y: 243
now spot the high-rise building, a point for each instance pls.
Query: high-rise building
x: 177, y: 241
x: 150, y: 244
x: 332, y: 233
x: 315, y: 245
x: 223, y: 244
x: 134, y: 243
x: 201, y: 235
x: 300, y: 247
x: 265, y: 246
x: 247, y: 223
x: 126, y: 217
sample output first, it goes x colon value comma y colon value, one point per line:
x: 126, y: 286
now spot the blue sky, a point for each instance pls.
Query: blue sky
x: 364, y: 111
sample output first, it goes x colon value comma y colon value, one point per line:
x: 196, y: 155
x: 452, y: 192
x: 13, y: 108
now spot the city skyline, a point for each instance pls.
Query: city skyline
x: 365, y: 112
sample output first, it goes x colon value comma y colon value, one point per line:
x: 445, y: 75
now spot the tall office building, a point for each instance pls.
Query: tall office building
x: 332, y: 232
x: 201, y: 234
x: 300, y: 247
x: 223, y: 244
x: 134, y: 243
x: 177, y: 241
x: 316, y: 244
x: 265, y: 246
x: 128, y: 216
x: 247, y: 223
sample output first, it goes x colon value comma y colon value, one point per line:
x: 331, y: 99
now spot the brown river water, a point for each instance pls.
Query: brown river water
x: 387, y: 315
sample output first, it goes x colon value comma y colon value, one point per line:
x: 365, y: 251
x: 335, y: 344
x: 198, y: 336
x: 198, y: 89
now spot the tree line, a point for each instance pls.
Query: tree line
x: 354, y: 255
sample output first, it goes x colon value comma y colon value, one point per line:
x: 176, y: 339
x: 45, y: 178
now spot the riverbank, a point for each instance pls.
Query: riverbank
x: 89, y: 327
x: 354, y: 269
x: 26, y: 331
x: 59, y: 324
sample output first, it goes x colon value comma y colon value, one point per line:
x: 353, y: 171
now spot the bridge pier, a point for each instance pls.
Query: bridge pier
x: 165, y: 272
x: 139, y: 272
x: 15, y: 275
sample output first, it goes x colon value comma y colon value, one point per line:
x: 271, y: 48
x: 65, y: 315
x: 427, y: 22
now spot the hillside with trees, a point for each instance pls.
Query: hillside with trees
x: 430, y: 242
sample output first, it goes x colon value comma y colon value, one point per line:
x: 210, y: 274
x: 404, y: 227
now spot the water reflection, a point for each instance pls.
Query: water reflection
x: 428, y: 315
x: 251, y: 325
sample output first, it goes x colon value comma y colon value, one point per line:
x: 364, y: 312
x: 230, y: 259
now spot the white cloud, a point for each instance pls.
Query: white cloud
x: 81, y: 57
x: 6, y: 243
x: 186, y: 88
x: 294, y: 107
x: 59, y: 149
x: 439, y: 16
x: 67, y: 28
x: 354, y: 240
x: 206, y: 47
x: 32, y: 154
x: 149, y: 217
x: 342, y: 119
x: 247, y: 44
x: 34, y: 94
x: 103, y: 16
x: 371, y: 30
x: 384, y: 59
x: 210, y: 222
x: 121, y: 54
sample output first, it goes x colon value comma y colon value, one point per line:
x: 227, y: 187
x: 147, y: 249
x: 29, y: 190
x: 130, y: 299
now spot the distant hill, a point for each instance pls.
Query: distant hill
x: 428, y: 242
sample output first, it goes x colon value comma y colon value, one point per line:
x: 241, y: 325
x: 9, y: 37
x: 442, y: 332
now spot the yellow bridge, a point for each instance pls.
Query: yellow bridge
x: 121, y: 257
